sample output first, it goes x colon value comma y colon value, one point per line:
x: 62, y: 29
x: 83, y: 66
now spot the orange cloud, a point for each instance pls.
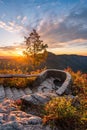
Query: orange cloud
x: 12, y: 50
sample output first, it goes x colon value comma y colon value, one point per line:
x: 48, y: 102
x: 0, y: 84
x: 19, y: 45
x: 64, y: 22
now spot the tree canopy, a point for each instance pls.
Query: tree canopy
x: 36, y: 49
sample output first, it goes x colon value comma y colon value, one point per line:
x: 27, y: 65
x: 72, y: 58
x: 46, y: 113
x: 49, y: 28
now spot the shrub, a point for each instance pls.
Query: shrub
x: 18, y: 82
x: 79, y: 82
x: 63, y: 112
x: 60, y: 112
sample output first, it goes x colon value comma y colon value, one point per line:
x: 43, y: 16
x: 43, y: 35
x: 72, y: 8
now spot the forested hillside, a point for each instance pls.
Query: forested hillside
x: 76, y: 62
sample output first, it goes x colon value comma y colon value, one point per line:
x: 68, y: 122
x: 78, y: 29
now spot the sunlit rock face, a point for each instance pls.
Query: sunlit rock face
x: 11, y: 118
x: 38, y: 98
x: 49, y: 81
x: 49, y: 84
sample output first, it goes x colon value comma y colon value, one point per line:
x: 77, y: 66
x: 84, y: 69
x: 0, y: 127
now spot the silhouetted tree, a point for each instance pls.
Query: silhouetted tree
x: 36, y: 49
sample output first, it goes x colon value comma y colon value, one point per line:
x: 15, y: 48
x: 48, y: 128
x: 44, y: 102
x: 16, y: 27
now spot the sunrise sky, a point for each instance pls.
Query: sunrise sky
x: 62, y: 24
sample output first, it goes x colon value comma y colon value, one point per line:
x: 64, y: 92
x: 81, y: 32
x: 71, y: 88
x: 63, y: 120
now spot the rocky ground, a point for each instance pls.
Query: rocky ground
x: 11, y: 118
x: 29, y: 116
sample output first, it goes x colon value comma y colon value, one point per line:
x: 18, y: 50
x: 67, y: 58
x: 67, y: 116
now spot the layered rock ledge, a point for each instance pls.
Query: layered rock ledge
x: 49, y: 84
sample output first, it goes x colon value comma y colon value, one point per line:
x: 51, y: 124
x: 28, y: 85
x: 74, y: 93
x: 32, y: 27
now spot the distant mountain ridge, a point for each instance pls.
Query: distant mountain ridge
x: 76, y: 62
x: 8, y: 57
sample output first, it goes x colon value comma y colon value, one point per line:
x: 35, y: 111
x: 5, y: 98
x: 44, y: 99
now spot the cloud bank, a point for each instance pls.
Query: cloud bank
x: 72, y: 29
x: 59, y: 26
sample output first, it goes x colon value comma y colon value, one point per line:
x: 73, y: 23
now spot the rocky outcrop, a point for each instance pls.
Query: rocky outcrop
x: 11, y: 118
x: 50, y: 83
x: 64, y: 78
x: 38, y: 98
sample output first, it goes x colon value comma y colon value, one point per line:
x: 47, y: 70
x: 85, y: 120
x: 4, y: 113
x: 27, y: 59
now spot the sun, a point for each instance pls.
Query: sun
x: 20, y: 53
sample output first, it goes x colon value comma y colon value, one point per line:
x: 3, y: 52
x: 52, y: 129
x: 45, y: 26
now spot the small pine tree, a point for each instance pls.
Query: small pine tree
x: 36, y: 49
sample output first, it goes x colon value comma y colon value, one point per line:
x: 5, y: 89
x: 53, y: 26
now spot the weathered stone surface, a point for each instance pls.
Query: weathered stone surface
x: 53, y: 74
x: 35, y: 120
x: 7, y: 106
x: 19, y: 120
x: 1, y: 118
x: 50, y: 80
x: 37, y: 127
x: 2, y: 110
x: 65, y: 85
x: 36, y: 99
x: 6, y: 102
x: 50, y: 95
x: 12, y: 125
x: 47, y: 86
x: 27, y: 91
x: 16, y: 93
x: 21, y: 92
x: 21, y: 114
x: 8, y: 93
x: 13, y: 119
x: 2, y: 92
x: 29, y: 99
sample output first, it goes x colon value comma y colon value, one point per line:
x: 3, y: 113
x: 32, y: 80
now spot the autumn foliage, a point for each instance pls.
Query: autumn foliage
x: 63, y: 113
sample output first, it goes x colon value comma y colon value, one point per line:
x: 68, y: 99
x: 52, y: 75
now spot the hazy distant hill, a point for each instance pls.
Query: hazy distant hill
x: 76, y: 62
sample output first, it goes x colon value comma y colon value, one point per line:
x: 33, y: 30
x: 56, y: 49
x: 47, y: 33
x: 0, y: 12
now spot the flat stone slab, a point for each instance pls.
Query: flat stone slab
x: 16, y: 93
x: 37, y: 98
x: 8, y: 92
x: 48, y: 76
x: 44, y: 83
x: 27, y: 91
x: 35, y: 120
x: 22, y: 93
x: 2, y: 92
x: 48, y: 85
x: 65, y: 85
x: 14, y: 119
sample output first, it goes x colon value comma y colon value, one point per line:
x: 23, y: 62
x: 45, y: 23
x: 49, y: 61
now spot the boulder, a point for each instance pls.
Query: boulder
x: 12, y: 125
x: 12, y: 117
x: 35, y: 120
x: 1, y: 116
